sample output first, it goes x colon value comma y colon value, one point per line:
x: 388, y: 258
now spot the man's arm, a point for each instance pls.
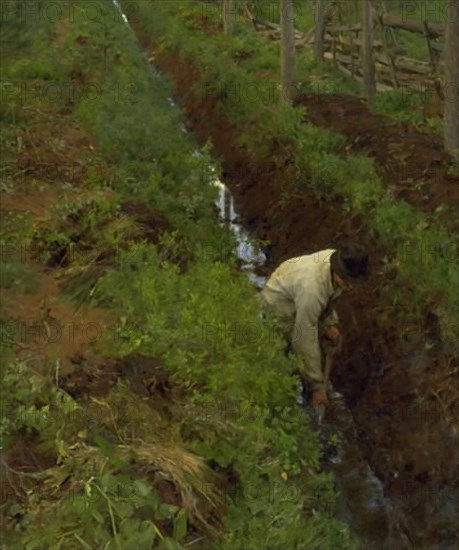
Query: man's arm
x: 305, y: 338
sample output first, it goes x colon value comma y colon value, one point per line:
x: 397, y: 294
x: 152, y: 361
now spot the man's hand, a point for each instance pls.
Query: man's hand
x: 333, y: 334
x: 319, y: 397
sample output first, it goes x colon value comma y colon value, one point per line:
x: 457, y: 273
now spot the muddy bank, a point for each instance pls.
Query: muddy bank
x: 381, y: 374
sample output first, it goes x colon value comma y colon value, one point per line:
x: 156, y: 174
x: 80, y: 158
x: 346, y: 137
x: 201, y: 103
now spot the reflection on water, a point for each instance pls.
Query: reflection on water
x: 118, y: 7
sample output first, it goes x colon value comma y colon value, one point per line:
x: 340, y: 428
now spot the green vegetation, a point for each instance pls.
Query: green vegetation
x: 241, y: 458
x: 408, y: 106
x: 420, y: 243
x: 15, y: 242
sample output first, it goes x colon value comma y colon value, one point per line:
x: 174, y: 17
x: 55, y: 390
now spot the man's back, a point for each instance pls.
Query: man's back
x: 295, y: 277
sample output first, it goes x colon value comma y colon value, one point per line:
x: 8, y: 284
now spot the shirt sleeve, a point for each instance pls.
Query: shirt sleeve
x: 305, y: 339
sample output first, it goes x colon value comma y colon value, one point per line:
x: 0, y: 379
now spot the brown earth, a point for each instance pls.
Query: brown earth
x: 46, y: 327
x: 51, y: 150
x: 405, y: 157
x: 45, y: 324
x: 55, y: 150
x: 381, y: 373
x: 38, y: 204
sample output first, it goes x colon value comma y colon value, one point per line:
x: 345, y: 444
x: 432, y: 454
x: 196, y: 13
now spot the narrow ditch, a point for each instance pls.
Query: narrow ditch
x: 376, y: 521
x: 361, y: 503
x: 411, y: 450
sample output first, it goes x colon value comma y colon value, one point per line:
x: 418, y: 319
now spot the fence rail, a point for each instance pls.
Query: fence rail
x: 343, y: 47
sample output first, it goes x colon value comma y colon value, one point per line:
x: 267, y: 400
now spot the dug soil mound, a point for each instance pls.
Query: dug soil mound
x: 412, y: 163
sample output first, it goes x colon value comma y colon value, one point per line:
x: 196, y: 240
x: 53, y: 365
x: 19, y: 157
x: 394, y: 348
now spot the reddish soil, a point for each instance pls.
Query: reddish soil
x: 411, y: 450
x: 54, y: 151
x: 38, y: 204
x: 404, y: 156
x: 146, y: 376
x: 44, y: 325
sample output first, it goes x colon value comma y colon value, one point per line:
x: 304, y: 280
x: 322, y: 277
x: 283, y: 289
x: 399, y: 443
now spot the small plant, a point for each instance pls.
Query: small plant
x: 335, y: 440
x: 419, y: 402
x: 30, y: 403
x: 394, y: 102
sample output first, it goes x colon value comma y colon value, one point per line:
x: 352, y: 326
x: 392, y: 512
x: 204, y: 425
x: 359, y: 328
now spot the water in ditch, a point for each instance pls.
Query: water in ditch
x: 250, y: 256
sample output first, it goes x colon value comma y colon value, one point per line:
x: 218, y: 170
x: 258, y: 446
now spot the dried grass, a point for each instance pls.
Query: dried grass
x: 195, y: 482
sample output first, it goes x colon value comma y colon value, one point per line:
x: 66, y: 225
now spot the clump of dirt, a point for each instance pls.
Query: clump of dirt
x: 374, y: 373
x: 153, y: 225
x: 146, y: 376
x: 413, y: 164
x: 144, y: 224
x: 153, y: 222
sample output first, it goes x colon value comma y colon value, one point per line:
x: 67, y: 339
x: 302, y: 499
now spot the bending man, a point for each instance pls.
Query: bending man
x: 303, y: 291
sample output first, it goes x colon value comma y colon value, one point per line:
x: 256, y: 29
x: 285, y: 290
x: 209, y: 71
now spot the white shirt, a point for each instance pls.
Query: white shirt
x: 301, y: 289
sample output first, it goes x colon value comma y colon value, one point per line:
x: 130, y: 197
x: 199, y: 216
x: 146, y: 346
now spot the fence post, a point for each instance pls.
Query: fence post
x: 369, y: 84
x: 352, y: 54
x: 451, y: 112
x: 387, y: 50
x: 433, y: 60
x: 319, y: 31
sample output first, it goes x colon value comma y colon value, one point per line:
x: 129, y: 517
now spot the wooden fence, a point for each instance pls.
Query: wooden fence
x: 343, y: 47
x: 393, y: 70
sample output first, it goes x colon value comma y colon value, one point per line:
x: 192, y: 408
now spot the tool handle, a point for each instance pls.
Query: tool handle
x: 329, y: 352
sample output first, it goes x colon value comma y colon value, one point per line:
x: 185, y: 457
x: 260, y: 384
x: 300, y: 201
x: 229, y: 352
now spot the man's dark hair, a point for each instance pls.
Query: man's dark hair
x: 350, y: 261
